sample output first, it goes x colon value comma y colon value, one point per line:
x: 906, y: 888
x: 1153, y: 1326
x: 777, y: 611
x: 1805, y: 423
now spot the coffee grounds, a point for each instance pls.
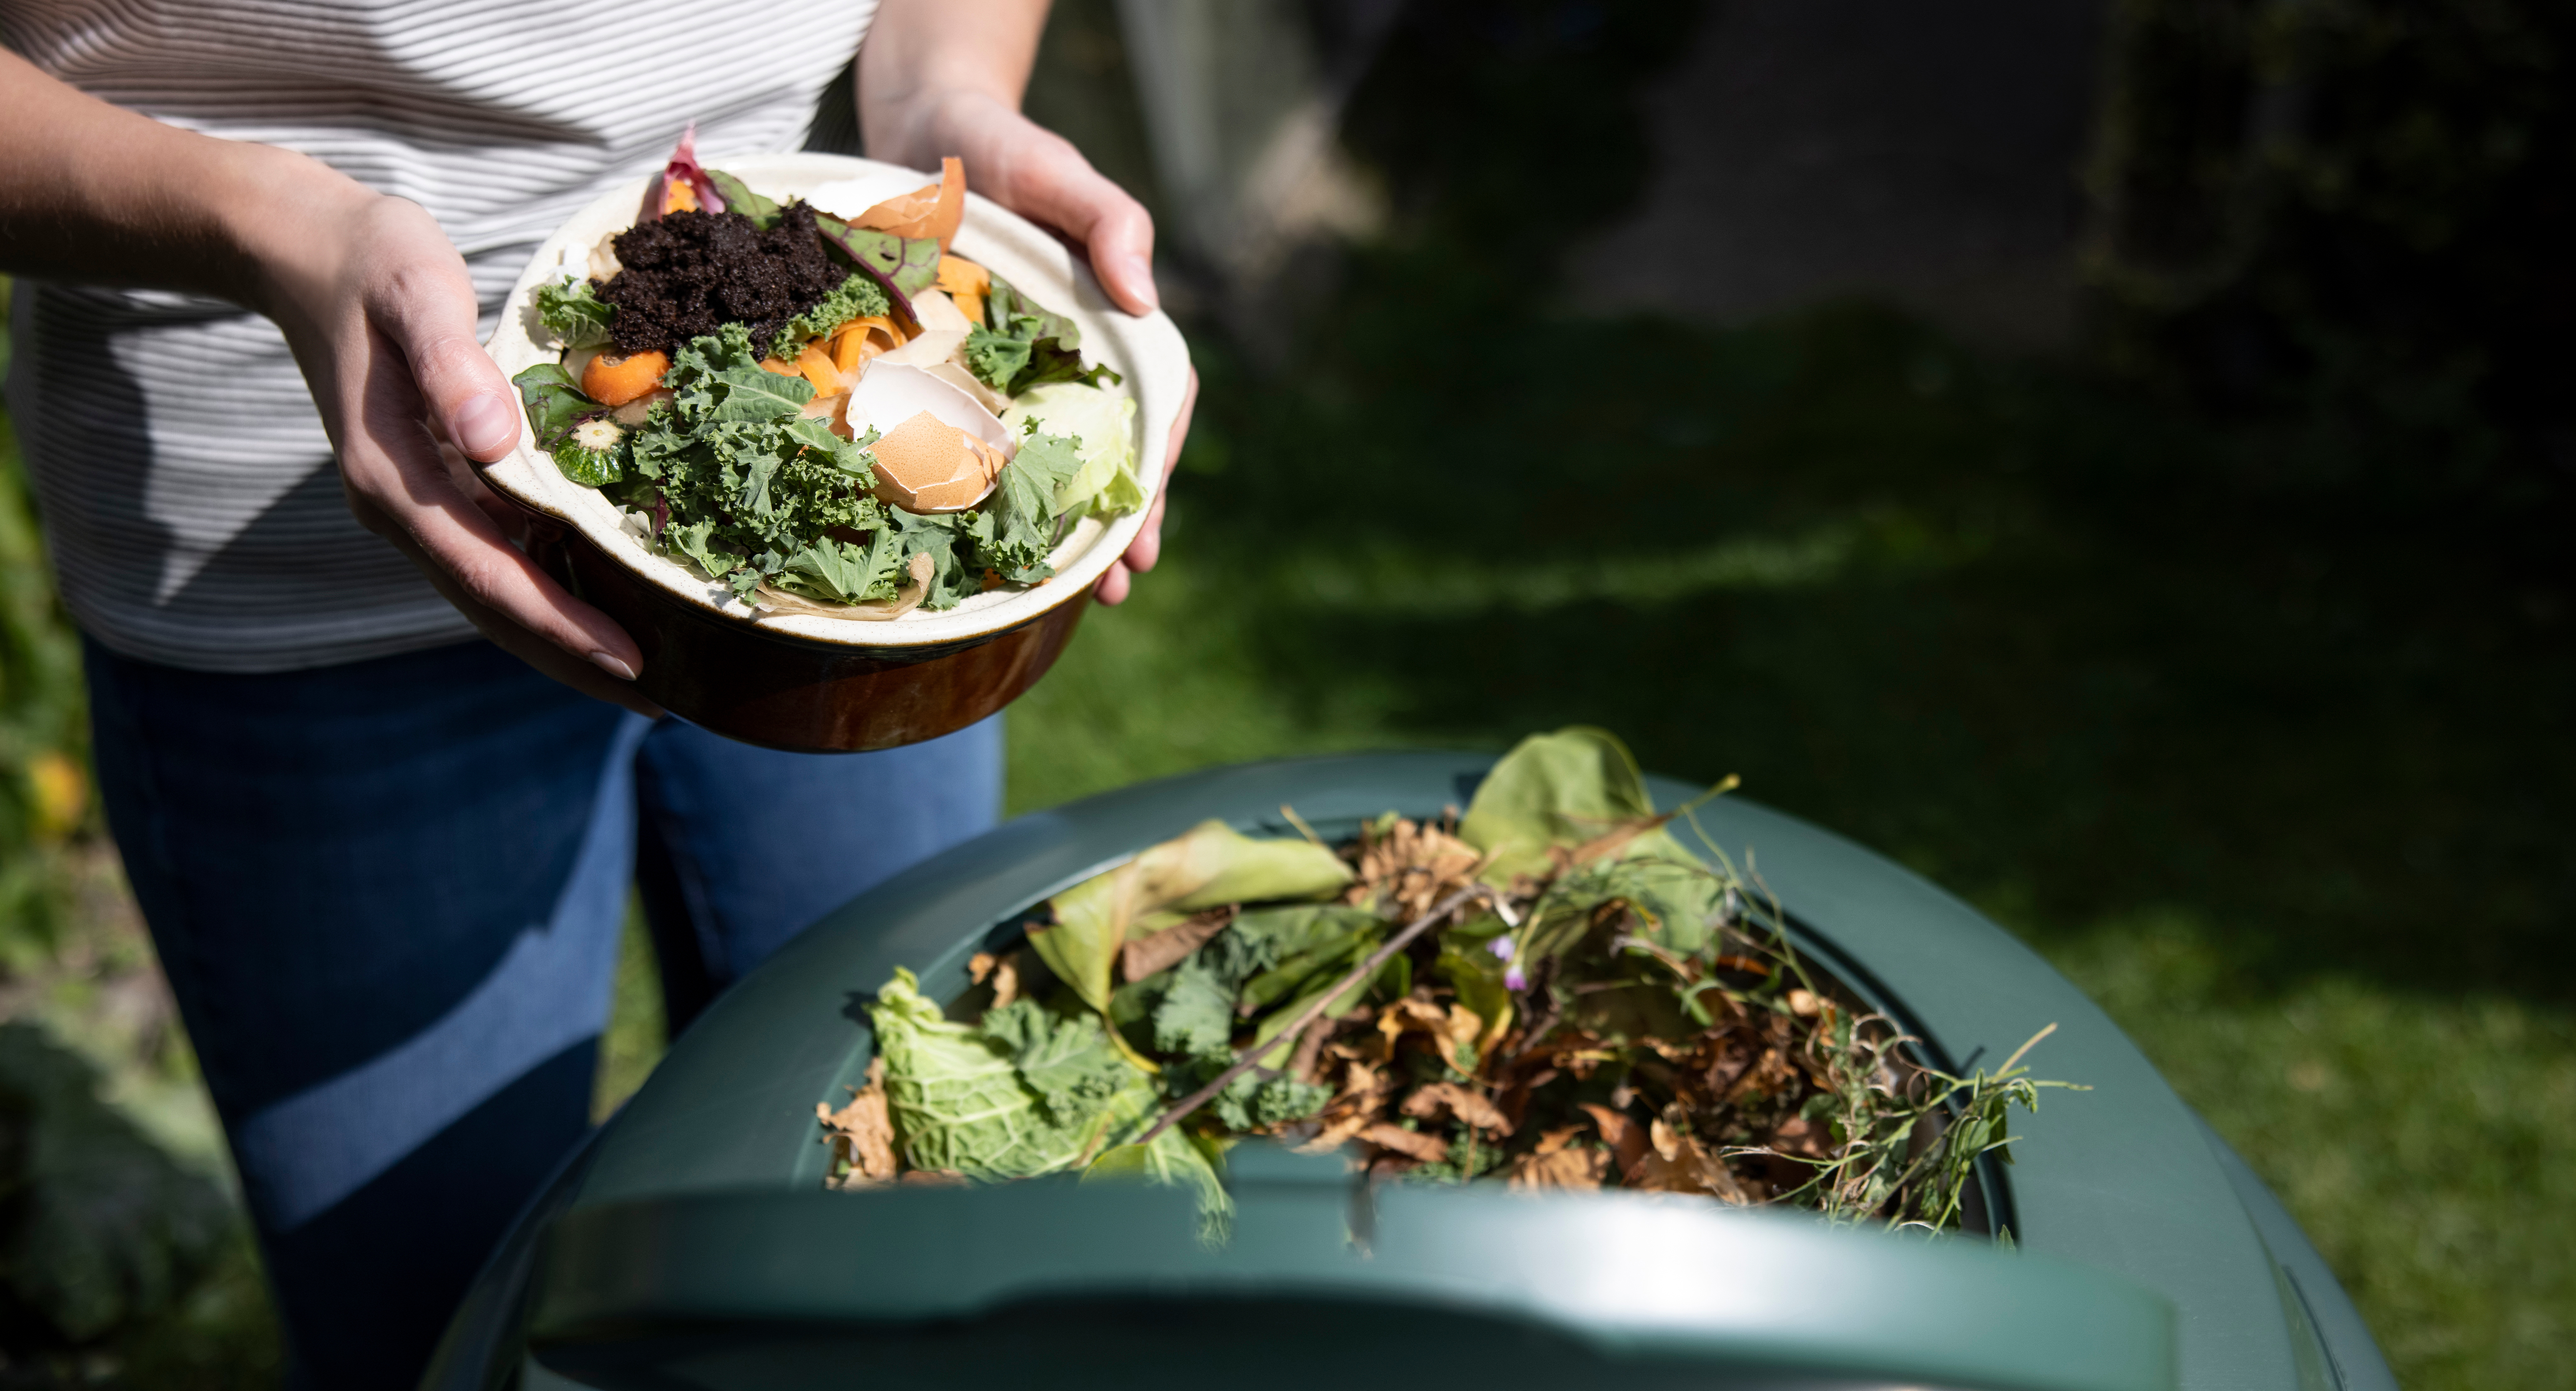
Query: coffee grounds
x: 688, y: 273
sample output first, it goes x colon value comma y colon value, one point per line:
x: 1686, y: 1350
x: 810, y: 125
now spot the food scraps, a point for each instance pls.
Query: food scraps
x: 825, y: 415
x: 1550, y: 991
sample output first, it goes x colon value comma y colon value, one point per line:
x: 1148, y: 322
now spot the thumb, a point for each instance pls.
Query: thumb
x: 432, y: 321
x: 1046, y: 178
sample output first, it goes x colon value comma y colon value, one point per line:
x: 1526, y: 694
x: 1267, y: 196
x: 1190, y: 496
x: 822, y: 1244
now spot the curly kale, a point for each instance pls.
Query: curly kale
x: 857, y: 298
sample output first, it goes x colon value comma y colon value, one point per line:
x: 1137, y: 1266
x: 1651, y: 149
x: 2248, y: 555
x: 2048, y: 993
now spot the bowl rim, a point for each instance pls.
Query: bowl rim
x: 1147, y: 350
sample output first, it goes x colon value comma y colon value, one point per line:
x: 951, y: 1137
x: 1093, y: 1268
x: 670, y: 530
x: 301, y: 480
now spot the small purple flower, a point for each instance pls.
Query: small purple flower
x: 1501, y: 947
x: 1515, y: 979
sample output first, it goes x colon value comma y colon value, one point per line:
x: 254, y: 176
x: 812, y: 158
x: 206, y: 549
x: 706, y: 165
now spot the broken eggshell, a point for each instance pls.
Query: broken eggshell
x: 933, y: 211
x: 939, y: 450
x: 943, y: 328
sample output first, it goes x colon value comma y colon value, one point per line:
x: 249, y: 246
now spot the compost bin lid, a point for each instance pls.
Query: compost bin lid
x: 698, y: 1214
x: 1320, y: 1278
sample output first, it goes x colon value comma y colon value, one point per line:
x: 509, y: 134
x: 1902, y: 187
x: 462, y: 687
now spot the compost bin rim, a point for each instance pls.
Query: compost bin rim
x: 2119, y: 1178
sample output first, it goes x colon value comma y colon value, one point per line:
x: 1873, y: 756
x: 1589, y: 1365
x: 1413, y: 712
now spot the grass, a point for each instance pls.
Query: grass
x: 2285, y: 794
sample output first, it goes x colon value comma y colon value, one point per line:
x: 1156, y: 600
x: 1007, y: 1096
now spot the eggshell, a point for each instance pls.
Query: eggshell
x: 940, y: 451
x: 943, y: 328
x: 891, y: 393
x: 927, y: 465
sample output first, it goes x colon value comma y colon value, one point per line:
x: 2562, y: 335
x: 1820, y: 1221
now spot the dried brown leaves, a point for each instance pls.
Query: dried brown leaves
x: 1409, y: 868
x: 861, y: 1134
x: 1156, y: 951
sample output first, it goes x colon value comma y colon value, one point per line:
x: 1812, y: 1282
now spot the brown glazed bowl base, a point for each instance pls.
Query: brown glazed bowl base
x: 790, y: 693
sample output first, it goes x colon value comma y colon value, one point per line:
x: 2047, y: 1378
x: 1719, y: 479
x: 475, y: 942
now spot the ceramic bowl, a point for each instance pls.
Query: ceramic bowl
x: 798, y: 681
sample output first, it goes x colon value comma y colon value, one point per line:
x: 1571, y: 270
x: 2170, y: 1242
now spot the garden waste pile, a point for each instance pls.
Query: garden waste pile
x: 1549, y: 991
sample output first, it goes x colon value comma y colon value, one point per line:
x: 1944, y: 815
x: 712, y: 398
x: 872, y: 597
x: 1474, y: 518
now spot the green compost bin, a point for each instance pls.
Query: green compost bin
x: 690, y: 1243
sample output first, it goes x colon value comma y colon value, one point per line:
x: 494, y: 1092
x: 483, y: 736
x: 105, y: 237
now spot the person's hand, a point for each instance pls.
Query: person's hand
x: 943, y: 77
x: 378, y: 309
x: 1148, y: 545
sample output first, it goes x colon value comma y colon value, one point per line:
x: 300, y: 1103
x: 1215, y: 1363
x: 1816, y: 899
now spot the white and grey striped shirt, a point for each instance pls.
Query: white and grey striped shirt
x: 190, y: 502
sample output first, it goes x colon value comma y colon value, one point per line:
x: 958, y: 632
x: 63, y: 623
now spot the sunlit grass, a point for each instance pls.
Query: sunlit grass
x: 2426, y: 1141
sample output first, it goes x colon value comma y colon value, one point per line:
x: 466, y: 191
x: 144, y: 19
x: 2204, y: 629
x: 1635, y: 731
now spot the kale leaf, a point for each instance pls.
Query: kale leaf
x: 962, y: 1103
x: 1067, y: 1060
x: 857, y: 298
x: 1013, y: 533
x: 1026, y: 351
x: 757, y: 493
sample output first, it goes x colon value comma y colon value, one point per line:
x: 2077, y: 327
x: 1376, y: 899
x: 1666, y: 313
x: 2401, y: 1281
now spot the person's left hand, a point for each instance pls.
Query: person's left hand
x: 934, y: 80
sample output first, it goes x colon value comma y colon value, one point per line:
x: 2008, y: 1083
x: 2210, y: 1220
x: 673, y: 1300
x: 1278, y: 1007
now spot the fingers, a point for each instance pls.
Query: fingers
x: 1113, y: 586
x: 583, y: 676
x: 424, y: 301
x: 399, y: 487
x: 1041, y: 175
x: 1181, y: 426
x: 1147, y: 548
x: 1148, y: 545
x: 1120, y: 241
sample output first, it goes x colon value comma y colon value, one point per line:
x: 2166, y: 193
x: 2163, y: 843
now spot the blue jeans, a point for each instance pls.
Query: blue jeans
x: 388, y: 896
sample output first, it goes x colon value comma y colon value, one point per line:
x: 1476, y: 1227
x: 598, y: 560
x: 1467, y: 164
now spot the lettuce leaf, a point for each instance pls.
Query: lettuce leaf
x: 738, y: 198
x: 1173, y: 1159
x: 1003, y: 302
x: 556, y: 409
x: 962, y: 1104
x: 554, y: 401
x: 1210, y: 865
x: 1577, y: 785
x: 1102, y: 426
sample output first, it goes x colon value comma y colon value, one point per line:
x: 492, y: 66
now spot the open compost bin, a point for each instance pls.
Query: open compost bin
x: 692, y: 1242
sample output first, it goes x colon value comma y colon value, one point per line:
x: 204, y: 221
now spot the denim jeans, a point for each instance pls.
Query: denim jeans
x: 388, y: 897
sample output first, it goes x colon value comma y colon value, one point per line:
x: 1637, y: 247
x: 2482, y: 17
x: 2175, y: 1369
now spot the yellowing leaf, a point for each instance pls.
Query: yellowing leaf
x: 1209, y: 867
x: 1564, y: 789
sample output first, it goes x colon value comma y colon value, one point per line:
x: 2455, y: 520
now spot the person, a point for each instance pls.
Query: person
x: 380, y: 784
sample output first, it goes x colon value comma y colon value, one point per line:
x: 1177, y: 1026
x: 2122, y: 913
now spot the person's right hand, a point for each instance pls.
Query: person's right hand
x: 381, y: 316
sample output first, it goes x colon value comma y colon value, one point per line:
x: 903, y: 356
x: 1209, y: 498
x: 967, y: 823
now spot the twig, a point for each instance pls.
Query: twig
x: 1302, y: 828
x: 2006, y: 1070
x: 1182, y: 1108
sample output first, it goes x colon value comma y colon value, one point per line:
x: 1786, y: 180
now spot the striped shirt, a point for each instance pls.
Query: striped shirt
x: 191, y: 505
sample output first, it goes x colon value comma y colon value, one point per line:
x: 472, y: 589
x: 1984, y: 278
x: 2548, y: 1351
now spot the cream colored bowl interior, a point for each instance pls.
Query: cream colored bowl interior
x: 1148, y: 352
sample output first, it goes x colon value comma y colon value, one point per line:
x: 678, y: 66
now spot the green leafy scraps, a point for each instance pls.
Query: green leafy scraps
x: 573, y: 313
x: 1210, y: 865
x: 1618, y: 1014
x: 561, y: 417
x: 858, y: 297
x: 1020, y: 354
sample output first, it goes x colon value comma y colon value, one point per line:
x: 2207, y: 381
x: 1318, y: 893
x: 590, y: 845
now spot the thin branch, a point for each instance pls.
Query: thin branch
x: 2006, y: 1070
x: 1252, y: 1057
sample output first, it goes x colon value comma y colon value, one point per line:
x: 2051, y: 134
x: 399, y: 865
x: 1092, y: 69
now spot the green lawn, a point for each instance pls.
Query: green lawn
x: 2282, y: 790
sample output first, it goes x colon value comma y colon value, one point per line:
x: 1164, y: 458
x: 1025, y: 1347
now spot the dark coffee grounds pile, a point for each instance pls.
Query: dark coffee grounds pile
x: 690, y: 272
